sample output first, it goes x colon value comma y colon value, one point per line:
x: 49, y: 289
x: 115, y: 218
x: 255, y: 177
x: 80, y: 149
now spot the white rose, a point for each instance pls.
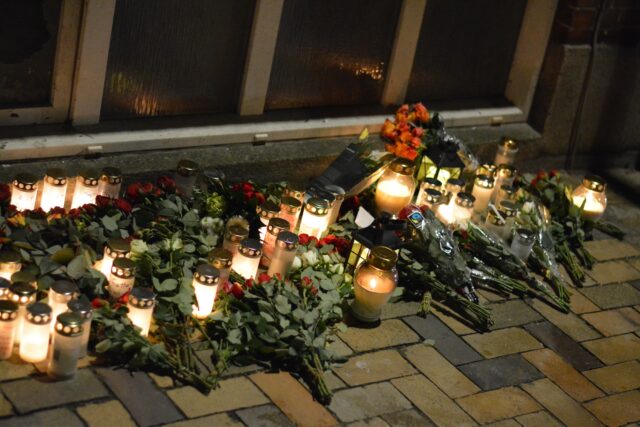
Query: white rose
x: 176, y: 244
x: 207, y: 222
x: 310, y: 257
x: 297, y: 263
x: 138, y: 247
x: 326, y: 259
x: 528, y: 207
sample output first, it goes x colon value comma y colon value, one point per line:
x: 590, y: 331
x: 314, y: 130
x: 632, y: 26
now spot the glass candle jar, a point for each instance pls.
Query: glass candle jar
x: 495, y: 223
x: 505, y: 175
x: 430, y: 197
x: 487, y: 169
x: 54, y: 189
x: 122, y: 278
x: 283, y: 255
x: 275, y: 227
x: 22, y: 294
x: 266, y: 211
x: 4, y: 288
x: 334, y: 211
x: 463, y: 207
x: 313, y: 220
x: 186, y: 176
x: 374, y: 282
x: 290, y: 209
x: 10, y: 263
x: 116, y: 247
x: 297, y: 191
x: 86, y: 188
x: 233, y: 235
x: 522, y: 243
x: 395, y: 187
x: 221, y: 259
x: 8, y: 327
x: 452, y: 188
x: 428, y: 184
x: 110, y: 182
x: 140, y: 305
x: 82, y: 307
x: 34, y: 341
x: 507, y: 150
x: 247, y: 259
x: 60, y: 293
x: 66, y: 346
x: 506, y: 192
x: 590, y: 196
x: 26, y: 277
x: 482, y: 191
x: 509, y: 211
x: 205, y: 285
x: 24, y: 191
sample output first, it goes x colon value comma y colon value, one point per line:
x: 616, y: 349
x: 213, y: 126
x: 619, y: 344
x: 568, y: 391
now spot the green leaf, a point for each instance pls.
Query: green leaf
x: 266, y: 316
x: 235, y: 336
x: 103, y: 346
x: 109, y: 223
x: 77, y: 267
x: 167, y: 285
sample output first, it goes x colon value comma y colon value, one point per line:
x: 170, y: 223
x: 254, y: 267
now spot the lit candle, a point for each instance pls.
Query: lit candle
x: 110, y: 182
x: 590, y: 196
x: 334, y: 211
x: 395, y: 187
x: 24, y: 192
x: 429, y: 198
x: 186, y: 176
x: 507, y: 150
x: 295, y: 190
x: 461, y: 210
x: 221, y: 259
x: 205, y: 285
x: 140, y: 305
x: 233, y: 235
x: 506, y: 192
x: 314, y: 220
x: 290, y: 209
x: 10, y: 263
x: 505, y: 175
x: 266, y: 211
x: 452, y: 188
x: 247, y: 259
x: 283, y: 255
x: 22, y: 294
x: 509, y: 211
x: 375, y: 281
x: 82, y: 307
x: 487, y: 169
x: 495, y: 223
x: 122, y: 278
x: 34, y: 340
x: 482, y: 190
x: 66, y: 346
x: 522, y: 243
x: 60, y: 293
x: 8, y: 327
x: 4, y: 288
x: 116, y: 247
x: 427, y: 184
x: 275, y: 227
x: 86, y: 188
x: 54, y: 189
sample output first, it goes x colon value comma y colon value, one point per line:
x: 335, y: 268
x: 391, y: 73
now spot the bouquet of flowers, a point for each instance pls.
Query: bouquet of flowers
x: 404, y: 135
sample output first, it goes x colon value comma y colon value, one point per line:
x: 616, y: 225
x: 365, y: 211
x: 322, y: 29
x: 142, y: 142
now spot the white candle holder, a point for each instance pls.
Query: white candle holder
x: 334, y: 211
x: 54, y: 189
x: 205, y: 285
x: 506, y: 192
x: 283, y: 255
x: 8, y: 327
x: 122, y: 278
x: 453, y: 187
x: 115, y: 248
x: 314, y: 220
x: 395, y: 187
x: 482, y: 191
x: 60, y: 293
x: 290, y: 209
x: 428, y: 184
x: 221, y: 259
x: 522, y: 243
x: 247, y: 259
x: 495, y: 223
x: 140, y: 305
x: 487, y: 169
x: 10, y: 263
x: 86, y: 188
x: 505, y: 175
x: 233, y: 236
x: 186, y: 176
x: 66, y: 346
x: 509, y: 211
x: 110, y: 182
x: 591, y: 197
x: 507, y: 150
x: 266, y: 211
x: 429, y: 198
x: 275, y: 227
x: 24, y: 192
x: 82, y: 307
x: 374, y: 282
x: 34, y: 340
x: 295, y: 190
x: 22, y: 294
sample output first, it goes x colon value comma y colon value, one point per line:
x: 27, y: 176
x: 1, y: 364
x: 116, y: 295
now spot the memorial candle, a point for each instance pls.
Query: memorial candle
x: 116, y: 247
x: 24, y: 192
x: 8, y: 327
x: 140, y: 305
x: 395, y: 187
x: 482, y: 190
x: 314, y: 220
x: 205, y: 285
x: 34, y: 339
x: 290, y: 209
x: 22, y: 294
x: 374, y: 282
x: 86, y: 188
x: 66, y: 346
x: 507, y: 150
x: 221, y: 259
x: 590, y: 196
x: 247, y: 259
x: 266, y: 211
x: 60, y: 293
x: 10, y: 263
x: 122, y: 278
x: 275, y: 227
x: 110, y: 182
x: 54, y: 189
x: 82, y: 307
x: 186, y: 176
x: 284, y: 254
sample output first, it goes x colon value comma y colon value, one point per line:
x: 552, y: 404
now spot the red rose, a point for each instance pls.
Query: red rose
x: 314, y: 290
x: 260, y: 197
x: 235, y: 187
x: 306, y: 281
x: 147, y: 188
x: 248, y: 283
x: 342, y: 246
x: 247, y: 187
x: 134, y: 190
x: 236, y: 291
x: 5, y: 192
x: 167, y: 184
x: 248, y: 195
x: 553, y: 173
x: 75, y: 213
x: 263, y: 278
x: 98, y: 303
x: 103, y: 201
x: 123, y: 205
x: 124, y: 298
x: 304, y: 239
x: 89, y: 208
x: 330, y: 239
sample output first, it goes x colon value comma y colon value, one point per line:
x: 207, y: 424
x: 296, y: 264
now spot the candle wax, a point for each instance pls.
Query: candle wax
x: 392, y: 196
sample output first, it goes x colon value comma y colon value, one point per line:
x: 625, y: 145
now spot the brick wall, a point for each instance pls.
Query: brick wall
x: 576, y: 21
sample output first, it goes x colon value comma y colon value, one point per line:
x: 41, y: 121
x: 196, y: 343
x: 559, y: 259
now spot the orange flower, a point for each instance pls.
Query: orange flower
x: 405, y: 137
x: 415, y: 142
x: 421, y: 112
x: 388, y: 130
x: 17, y: 220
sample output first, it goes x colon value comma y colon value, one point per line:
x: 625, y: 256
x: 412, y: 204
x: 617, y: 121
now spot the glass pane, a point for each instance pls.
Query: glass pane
x: 332, y: 52
x: 465, y: 49
x: 28, y: 32
x: 171, y: 57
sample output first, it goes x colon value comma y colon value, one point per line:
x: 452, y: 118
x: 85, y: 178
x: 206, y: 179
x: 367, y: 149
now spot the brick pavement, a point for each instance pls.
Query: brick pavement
x: 537, y: 367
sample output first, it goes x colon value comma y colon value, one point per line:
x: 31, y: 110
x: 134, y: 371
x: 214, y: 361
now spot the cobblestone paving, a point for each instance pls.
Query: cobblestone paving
x: 537, y: 367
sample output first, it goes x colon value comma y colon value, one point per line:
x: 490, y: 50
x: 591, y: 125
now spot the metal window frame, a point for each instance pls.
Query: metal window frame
x: 93, y: 48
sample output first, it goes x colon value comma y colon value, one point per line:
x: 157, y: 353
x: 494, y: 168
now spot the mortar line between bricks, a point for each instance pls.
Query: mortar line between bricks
x: 580, y: 404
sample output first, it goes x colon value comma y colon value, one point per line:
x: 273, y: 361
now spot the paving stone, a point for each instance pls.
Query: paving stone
x: 264, y: 416
x: 51, y: 418
x: 399, y: 309
x: 233, y: 393
x: 616, y: 378
x: 495, y: 405
x: 408, y: 418
x: 14, y: 368
x: 580, y: 304
x: 569, y: 323
x: 440, y: 371
x: 446, y: 342
x: 293, y: 399
x: 504, y: 423
x: 635, y: 263
x: 488, y: 296
x: 563, y: 374
x: 373, y: 367
x: 372, y: 422
x: 429, y: 399
x: 161, y: 380
x: 502, y: 342
x: 389, y: 334
x: 147, y: 404
x: 5, y: 407
x: 570, y: 350
x: 613, y: 272
x: 618, y: 409
x: 613, y: 296
x: 31, y: 394
x: 560, y: 404
x: 608, y: 249
x: 235, y: 370
x: 332, y: 381
x: 538, y: 419
x: 617, y: 349
x: 106, y: 414
x: 218, y: 420
x: 614, y: 322
x: 358, y: 403
x: 512, y: 313
x: 339, y: 348
x: 452, y: 319
x: 501, y: 372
